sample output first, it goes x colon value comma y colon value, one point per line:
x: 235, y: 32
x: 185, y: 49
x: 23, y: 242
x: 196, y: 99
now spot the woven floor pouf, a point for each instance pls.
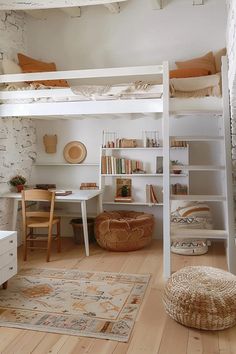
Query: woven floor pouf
x: 201, y: 297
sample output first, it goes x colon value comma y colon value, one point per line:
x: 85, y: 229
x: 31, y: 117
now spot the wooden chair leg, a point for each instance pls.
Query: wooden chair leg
x: 59, y: 237
x: 31, y: 241
x: 4, y: 285
x: 25, y: 244
x: 49, y: 244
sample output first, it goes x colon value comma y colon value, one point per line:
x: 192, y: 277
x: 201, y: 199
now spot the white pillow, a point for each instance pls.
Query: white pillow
x: 10, y: 67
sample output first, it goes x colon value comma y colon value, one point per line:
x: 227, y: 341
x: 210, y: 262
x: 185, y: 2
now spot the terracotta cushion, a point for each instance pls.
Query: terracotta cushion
x: 188, y: 72
x: 30, y: 65
x: 206, y: 62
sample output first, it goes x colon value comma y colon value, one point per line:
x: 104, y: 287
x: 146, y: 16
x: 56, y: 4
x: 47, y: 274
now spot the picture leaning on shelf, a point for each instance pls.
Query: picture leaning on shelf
x: 123, y: 190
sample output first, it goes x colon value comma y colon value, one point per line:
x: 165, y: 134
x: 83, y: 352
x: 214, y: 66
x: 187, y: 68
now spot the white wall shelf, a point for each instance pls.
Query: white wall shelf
x: 65, y: 164
x: 144, y: 175
x: 198, y: 138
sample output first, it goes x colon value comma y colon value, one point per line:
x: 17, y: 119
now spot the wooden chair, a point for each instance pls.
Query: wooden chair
x: 39, y: 219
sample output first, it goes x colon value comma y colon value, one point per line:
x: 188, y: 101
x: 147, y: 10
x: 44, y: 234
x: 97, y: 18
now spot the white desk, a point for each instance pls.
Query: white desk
x: 77, y: 196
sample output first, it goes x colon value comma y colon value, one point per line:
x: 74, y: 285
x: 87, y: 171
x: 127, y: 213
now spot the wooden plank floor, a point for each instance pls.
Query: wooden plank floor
x: 154, y: 331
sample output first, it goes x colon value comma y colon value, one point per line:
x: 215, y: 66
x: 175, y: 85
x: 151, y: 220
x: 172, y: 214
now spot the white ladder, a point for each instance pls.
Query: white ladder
x: 226, y: 197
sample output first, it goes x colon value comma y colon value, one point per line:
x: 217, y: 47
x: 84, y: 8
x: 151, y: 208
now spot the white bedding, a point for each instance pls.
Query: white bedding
x: 137, y: 90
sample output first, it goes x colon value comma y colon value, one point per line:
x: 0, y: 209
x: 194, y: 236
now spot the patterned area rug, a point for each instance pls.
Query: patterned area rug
x: 100, y: 305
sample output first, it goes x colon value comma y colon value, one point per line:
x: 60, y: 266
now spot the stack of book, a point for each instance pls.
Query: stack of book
x: 175, y: 143
x: 179, y: 189
x: 151, y: 196
x: 89, y: 185
x: 114, y: 165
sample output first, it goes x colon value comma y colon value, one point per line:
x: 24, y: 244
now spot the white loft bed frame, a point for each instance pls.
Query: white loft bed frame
x: 165, y: 106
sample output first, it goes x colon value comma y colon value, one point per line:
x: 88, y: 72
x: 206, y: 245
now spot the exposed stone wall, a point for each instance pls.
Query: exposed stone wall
x: 231, y: 49
x: 17, y: 135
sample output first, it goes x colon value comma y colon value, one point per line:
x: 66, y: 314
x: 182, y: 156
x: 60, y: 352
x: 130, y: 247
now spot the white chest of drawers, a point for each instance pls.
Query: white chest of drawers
x: 8, y: 256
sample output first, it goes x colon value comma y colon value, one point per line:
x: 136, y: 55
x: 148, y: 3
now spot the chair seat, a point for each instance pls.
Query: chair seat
x: 41, y: 222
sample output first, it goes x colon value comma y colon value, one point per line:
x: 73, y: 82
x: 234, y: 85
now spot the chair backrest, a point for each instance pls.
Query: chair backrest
x: 37, y: 195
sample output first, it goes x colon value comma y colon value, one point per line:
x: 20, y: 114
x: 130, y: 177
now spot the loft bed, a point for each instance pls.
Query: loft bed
x: 144, y: 92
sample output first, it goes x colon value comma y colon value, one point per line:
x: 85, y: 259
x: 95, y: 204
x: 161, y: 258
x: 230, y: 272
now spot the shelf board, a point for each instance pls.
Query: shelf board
x: 144, y: 175
x: 197, y: 138
x: 133, y: 175
x: 64, y: 164
x: 133, y: 148
x: 193, y: 197
x: 194, y: 233
x: 198, y: 167
x: 134, y: 203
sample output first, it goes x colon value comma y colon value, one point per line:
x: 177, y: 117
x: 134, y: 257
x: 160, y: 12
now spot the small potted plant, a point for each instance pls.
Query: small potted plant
x: 175, y: 163
x: 18, y: 181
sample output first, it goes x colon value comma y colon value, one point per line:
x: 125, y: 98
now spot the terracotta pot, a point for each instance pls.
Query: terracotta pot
x: 19, y: 188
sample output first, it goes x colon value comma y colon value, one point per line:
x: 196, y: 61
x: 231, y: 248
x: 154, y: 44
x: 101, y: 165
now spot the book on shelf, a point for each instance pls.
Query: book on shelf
x: 179, y: 189
x: 123, y: 190
x: 114, y: 165
x: 151, y: 196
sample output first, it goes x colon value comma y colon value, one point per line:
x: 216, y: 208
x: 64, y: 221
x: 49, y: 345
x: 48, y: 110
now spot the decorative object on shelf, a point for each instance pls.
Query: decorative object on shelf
x: 175, y: 163
x: 159, y: 164
x: 109, y: 139
x: 75, y: 152
x: 18, y: 181
x: 88, y: 185
x: 124, y: 230
x: 123, y: 190
x: 127, y: 143
x: 151, y: 138
x: 201, y: 297
x: 50, y: 143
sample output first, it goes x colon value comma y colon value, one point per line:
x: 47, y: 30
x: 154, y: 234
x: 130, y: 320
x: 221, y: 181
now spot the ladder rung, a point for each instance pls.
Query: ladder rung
x: 193, y: 197
x: 197, y: 138
x: 199, y: 233
x: 197, y: 167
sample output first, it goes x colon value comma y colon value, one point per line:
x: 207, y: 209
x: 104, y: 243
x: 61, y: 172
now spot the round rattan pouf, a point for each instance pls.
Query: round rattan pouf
x: 124, y: 230
x: 201, y: 297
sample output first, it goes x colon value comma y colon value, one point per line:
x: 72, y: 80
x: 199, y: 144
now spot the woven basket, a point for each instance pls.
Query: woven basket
x: 201, y: 297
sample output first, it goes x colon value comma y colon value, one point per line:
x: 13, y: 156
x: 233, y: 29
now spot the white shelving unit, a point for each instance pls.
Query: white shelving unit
x: 148, y: 156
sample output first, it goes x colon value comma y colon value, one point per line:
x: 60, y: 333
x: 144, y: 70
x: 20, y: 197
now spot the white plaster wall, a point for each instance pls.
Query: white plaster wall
x: 17, y: 135
x: 137, y: 35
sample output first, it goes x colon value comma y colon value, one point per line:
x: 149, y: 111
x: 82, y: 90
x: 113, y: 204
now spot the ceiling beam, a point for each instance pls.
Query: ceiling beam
x: 198, y: 2
x: 157, y: 4
x: 72, y: 11
x: 50, y: 4
x: 114, y: 8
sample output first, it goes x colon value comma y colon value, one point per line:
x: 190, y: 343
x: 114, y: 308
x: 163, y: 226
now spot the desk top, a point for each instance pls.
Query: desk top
x: 76, y: 196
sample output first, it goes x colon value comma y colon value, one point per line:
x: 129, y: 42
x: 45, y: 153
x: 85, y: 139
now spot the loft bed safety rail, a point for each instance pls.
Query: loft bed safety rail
x: 57, y: 101
x: 84, y: 74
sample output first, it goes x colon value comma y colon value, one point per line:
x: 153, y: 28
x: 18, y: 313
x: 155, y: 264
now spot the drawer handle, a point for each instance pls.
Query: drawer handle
x: 11, y: 254
x: 10, y: 268
x: 11, y: 241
